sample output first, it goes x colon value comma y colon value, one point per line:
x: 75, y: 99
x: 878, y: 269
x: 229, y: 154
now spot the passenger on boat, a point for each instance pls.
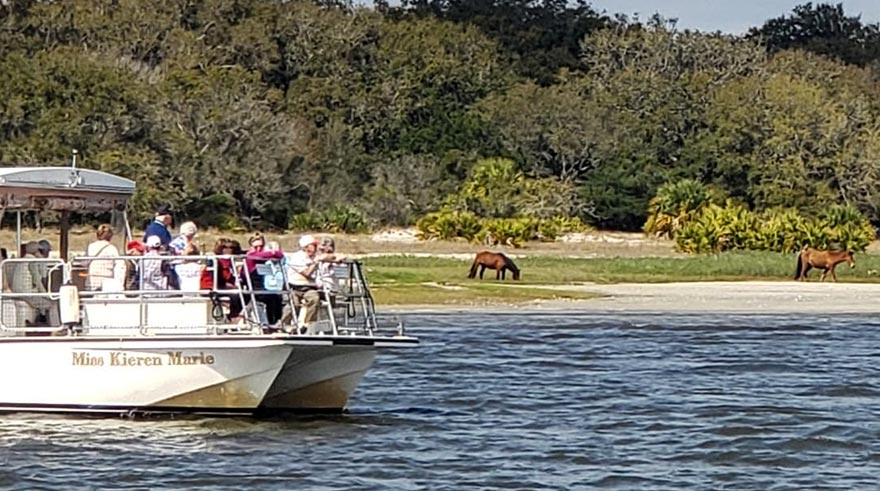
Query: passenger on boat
x: 43, y: 251
x: 132, y: 276
x: 259, y: 255
x: 207, y: 280
x: 159, y: 226
x: 108, y: 271
x: 302, y: 269
x: 32, y: 277
x: 154, y: 275
x: 21, y: 280
x: 189, y: 271
x: 187, y: 234
x: 232, y: 278
x: 326, y: 275
x: 223, y: 270
x: 274, y: 279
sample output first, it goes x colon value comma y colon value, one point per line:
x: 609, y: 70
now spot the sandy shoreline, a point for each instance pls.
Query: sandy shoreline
x: 770, y: 297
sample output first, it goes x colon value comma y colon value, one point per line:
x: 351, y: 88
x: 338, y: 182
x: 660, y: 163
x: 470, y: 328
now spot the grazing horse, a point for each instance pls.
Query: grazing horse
x: 493, y: 260
x: 810, y: 258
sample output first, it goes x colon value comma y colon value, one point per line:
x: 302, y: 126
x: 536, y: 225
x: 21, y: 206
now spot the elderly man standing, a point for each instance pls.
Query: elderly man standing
x: 159, y: 226
x: 302, y: 268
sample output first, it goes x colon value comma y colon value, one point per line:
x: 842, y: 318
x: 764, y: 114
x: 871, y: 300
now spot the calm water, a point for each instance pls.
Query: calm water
x: 525, y: 402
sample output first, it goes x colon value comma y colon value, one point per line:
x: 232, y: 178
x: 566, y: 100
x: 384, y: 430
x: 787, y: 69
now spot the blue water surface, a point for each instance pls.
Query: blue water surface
x: 519, y: 402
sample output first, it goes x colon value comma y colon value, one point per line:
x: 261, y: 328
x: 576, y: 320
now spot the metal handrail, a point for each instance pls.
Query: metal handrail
x: 354, y: 291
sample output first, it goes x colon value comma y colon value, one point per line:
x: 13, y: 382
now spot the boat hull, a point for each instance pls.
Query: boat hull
x: 218, y: 375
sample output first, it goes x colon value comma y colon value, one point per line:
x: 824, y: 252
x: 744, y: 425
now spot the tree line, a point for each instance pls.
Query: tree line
x: 262, y: 113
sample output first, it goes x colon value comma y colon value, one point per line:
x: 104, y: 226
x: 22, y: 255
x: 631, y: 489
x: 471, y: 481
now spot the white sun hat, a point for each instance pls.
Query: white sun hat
x: 307, y: 240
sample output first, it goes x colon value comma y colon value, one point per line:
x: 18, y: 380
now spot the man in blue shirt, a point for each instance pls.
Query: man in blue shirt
x: 159, y: 226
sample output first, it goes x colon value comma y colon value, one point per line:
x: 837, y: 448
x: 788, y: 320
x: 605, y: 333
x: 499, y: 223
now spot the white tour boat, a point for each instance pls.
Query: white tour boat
x: 64, y: 348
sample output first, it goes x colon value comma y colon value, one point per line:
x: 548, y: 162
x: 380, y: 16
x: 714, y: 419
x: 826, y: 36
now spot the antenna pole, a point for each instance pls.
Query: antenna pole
x: 74, y: 158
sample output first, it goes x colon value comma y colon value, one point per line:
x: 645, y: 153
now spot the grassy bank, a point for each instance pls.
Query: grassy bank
x: 432, y: 280
x: 613, y: 257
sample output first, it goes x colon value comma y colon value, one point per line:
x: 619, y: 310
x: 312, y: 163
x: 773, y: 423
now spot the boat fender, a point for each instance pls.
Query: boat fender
x: 68, y: 304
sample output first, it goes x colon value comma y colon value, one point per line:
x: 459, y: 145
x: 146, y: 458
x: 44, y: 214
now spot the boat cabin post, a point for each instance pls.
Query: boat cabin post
x: 18, y: 233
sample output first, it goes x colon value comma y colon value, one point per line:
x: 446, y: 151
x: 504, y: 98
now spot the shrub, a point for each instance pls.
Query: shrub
x: 492, y: 190
x: 718, y: 228
x: 674, y: 205
x: 550, y: 229
x: 447, y: 224
x: 310, y: 220
x: 508, y: 231
x: 337, y: 219
x: 778, y: 229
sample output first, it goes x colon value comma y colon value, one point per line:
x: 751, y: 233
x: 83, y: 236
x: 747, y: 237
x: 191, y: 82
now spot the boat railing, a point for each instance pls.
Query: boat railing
x: 159, y: 294
x: 29, y: 294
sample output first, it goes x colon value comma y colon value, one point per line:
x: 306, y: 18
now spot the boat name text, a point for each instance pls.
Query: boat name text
x: 125, y: 359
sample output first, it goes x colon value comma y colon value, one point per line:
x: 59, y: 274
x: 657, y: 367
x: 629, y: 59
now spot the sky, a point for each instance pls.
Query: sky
x: 728, y: 16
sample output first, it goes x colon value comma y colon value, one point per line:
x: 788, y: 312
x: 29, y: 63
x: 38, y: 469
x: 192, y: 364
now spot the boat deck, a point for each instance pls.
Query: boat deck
x: 51, y: 297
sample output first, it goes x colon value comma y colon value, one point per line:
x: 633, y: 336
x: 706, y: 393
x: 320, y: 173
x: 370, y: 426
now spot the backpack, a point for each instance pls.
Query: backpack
x: 273, y: 276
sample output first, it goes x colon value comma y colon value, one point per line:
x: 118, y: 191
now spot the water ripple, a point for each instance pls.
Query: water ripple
x: 521, y: 402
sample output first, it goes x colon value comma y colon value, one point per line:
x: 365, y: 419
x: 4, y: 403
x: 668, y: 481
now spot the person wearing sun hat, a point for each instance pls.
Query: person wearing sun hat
x: 134, y: 248
x: 301, y: 265
x: 159, y: 226
x: 153, y: 276
x: 132, y: 273
x: 302, y: 268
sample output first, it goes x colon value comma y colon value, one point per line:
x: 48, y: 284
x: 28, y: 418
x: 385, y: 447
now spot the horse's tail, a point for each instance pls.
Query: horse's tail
x: 511, y: 266
x: 800, y: 265
x: 473, y: 273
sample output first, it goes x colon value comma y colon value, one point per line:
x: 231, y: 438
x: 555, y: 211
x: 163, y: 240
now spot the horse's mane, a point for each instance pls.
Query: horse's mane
x: 509, y: 263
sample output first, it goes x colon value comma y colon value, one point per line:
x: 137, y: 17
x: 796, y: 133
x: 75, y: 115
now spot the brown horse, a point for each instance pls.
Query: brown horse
x: 810, y: 258
x: 493, y: 260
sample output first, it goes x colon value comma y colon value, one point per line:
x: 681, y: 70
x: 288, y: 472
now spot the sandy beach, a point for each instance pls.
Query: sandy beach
x: 734, y: 297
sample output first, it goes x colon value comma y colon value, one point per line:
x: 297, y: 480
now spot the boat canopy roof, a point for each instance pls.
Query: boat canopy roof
x: 62, y: 189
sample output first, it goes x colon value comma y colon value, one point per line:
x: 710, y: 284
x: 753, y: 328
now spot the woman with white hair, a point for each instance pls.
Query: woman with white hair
x: 326, y: 274
x: 188, y: 232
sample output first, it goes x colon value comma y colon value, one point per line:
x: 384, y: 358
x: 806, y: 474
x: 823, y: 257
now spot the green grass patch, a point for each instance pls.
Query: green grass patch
x: 551, y: 270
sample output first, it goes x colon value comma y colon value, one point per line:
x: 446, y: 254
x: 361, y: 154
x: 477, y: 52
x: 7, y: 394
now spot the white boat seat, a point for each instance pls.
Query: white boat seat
x: 17, y: 313
x: 160, y: 314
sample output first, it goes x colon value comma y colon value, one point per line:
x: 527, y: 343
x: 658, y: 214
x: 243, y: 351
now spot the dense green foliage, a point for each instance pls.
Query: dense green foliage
x: 733, y: 227
x: 687, y: 211
x: 520, y: 114
x: 497, y: 204
x: 674, y: 206
x: 823, y: 29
